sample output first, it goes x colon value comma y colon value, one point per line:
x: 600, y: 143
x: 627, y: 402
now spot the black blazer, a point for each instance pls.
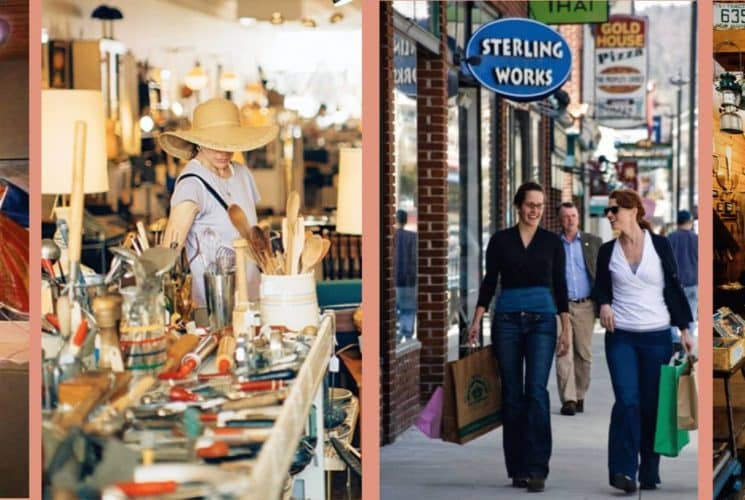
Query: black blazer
x: 675, y: 299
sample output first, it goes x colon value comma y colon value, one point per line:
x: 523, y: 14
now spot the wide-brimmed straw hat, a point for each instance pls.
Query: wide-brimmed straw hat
x: 216, y: 125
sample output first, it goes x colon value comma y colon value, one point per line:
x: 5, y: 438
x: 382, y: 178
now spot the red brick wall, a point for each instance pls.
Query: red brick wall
x: 387, y: 190
x: 511, y: 8
x: 432, y: 304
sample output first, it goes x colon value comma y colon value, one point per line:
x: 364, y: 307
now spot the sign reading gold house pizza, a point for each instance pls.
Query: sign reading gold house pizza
x: 621, y: 71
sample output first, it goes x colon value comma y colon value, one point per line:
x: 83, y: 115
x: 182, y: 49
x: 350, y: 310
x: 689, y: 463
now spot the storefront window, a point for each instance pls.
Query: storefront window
x: 454, y: 232
x: 514, y: 164
x: 488, y: 184
x: 405, y: 157
x: 456, y: 23
x: 423, y: 13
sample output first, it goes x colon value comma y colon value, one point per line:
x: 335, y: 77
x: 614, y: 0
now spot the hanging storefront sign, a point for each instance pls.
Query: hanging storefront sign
x: 621, y: 71
x: 729, y: 15
x: 520, y: 59
x: 569, y: 12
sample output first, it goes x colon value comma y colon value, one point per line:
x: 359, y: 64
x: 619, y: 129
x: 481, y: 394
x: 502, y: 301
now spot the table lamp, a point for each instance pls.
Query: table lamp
x: 349, y: 201
x: 73, y: 156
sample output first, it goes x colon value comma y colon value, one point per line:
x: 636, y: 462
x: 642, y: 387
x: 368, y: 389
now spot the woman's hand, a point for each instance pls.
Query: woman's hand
x: 606, y: 317
x: 475, y: 328
x: 473, y: 332
x: 686, y: 340
x: 562, y: 346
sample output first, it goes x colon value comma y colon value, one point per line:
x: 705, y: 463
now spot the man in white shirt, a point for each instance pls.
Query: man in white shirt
x: 573, y: 370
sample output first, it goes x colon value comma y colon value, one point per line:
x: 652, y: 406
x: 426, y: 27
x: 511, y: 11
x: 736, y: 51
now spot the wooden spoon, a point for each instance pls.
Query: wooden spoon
x: 262, y: 248
x: 311, y: 254
x: 293, y: 209
x: 240, y: 221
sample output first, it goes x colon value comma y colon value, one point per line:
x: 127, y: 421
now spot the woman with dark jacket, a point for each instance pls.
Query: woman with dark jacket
x: 529, y: 262
x: 640, y: 298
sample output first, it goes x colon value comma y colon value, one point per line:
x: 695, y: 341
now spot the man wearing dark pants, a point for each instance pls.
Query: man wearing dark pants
x: 573, y: 370
x: 685, y: 248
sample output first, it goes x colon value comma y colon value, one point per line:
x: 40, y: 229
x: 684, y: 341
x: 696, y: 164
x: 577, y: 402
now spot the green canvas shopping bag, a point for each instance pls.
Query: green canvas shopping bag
x: 668, y: 440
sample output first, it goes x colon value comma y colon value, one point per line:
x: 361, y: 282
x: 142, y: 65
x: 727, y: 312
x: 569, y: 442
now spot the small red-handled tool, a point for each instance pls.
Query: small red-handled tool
x: 180, y: 394
x: 48, y: 266
x: 52, y: 320
x: 133, y: 489
x: 261, y: 385
x: 80, y: 333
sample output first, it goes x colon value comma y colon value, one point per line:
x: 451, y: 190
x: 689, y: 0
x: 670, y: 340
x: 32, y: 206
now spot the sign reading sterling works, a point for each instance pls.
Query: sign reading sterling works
x: 621, y: 71
x: 519, y: 59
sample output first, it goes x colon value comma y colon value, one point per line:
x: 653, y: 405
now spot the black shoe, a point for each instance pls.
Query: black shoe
x: 580, y: 405
x: 647, y: 486
x: 624, y: 483
x: 520, y: 482
x: 536, y: 484
x: 569, y: 408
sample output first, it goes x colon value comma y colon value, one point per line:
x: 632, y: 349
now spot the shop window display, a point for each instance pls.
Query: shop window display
x: 406, y: 186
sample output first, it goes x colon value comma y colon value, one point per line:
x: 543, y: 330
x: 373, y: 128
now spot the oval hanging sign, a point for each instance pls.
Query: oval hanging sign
x: 520, y: 59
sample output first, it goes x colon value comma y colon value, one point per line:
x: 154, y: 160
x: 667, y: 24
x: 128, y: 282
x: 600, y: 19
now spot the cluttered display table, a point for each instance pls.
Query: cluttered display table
x: 141, y: 402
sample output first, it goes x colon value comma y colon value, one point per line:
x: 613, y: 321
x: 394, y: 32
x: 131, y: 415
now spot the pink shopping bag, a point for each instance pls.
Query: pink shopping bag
x: 430, y: 420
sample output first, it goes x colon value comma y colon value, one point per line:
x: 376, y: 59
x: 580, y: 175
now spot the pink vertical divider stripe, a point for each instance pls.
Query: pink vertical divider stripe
x: 34, y: 123
x: 706, y: 246
x: 370, y: 250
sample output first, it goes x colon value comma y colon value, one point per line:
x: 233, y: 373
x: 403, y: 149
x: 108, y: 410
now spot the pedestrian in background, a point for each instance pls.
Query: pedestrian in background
x: 640, y: 297
x: 573, y: 370
x: 685, y: 248
x: 529, y: 262
x: 405, y: 261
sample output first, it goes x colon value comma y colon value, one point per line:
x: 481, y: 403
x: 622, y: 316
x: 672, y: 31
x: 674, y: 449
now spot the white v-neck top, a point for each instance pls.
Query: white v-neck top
x: 638, y: 300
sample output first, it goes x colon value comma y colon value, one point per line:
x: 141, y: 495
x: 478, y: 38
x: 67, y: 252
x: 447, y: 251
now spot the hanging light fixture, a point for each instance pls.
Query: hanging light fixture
x: 196, y: 78
x: 308, y: 22
x: 277, y: 18
x: 229, y: 81
x: 730, y: 120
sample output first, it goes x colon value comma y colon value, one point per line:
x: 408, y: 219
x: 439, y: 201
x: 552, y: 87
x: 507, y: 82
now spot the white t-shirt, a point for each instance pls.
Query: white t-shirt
x: 638, y: 300
x: 240, y: 189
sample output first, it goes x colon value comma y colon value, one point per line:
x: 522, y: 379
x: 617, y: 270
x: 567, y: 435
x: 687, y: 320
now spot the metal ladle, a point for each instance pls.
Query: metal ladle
x: 51, y: 252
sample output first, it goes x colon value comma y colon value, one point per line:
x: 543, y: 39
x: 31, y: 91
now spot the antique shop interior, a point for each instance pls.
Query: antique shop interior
x: 252, y: 395
x: 729, y: 257
x: 14, y: 246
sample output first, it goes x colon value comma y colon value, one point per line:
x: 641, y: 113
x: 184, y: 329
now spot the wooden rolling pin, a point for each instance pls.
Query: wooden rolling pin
x: 179, y: 349
x: 268, y: 399
x: 226, y: 354
x: 77, y: 200
x: 240, y: 246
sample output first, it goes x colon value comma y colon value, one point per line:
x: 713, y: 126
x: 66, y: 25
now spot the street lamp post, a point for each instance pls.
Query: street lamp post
x: 678, y: 81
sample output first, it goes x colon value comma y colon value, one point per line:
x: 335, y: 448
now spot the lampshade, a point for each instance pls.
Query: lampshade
x: 196, y: 78
x: 229, y: 81
x: 349, y: 204
x: 60, y: 109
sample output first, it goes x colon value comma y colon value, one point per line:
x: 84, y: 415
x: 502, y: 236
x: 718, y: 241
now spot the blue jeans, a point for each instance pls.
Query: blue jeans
x: 524, y: 344
x: 406, y: 308
x: 634, y: 361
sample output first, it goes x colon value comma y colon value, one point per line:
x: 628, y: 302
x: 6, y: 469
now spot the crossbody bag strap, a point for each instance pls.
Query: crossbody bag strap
x: 210, y: 189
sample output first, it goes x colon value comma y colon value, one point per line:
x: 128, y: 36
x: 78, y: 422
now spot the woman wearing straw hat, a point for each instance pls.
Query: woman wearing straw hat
x: 210, y: 182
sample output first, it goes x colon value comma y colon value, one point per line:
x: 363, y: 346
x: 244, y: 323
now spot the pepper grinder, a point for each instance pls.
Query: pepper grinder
x: 108, y: 311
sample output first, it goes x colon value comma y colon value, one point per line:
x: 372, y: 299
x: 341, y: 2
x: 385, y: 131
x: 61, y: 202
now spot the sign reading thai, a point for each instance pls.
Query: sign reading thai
x: 621, y: 71
x: 520, y: 59
x: 569, y: 12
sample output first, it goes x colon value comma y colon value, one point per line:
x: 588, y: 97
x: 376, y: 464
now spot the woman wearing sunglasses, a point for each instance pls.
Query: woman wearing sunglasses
x: 529, y: 262
x: 640, y: 298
